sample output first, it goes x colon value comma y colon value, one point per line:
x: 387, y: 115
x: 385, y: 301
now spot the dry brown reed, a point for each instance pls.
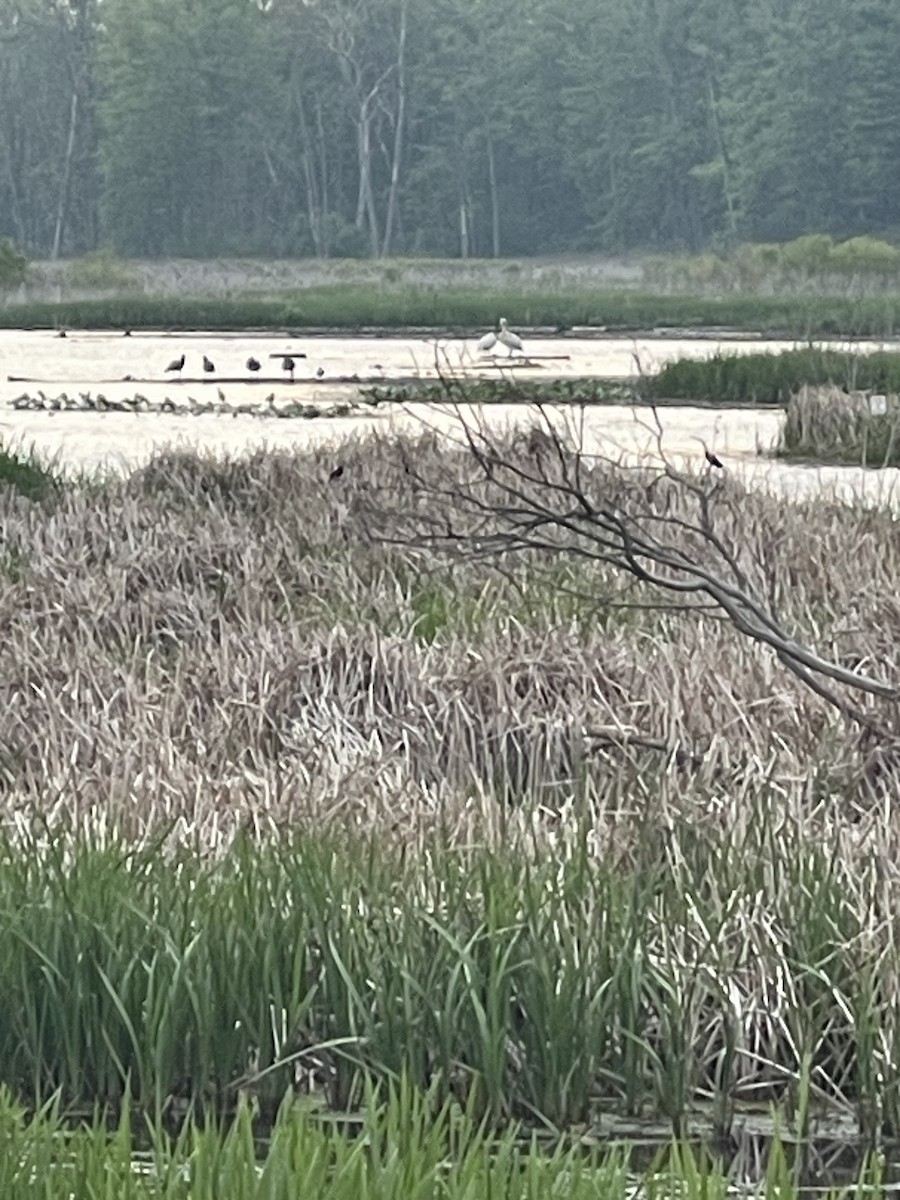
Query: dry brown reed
x: 830, y: 424
x: 226, y: 644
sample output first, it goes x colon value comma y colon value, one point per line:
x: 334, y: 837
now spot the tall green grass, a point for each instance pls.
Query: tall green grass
x: 539, y: 991
x: 770, y: 379
x: 402, y: 1146
x: 353, y: 306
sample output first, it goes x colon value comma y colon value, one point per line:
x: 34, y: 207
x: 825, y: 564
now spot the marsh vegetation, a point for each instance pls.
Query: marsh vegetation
x: 292, y: 810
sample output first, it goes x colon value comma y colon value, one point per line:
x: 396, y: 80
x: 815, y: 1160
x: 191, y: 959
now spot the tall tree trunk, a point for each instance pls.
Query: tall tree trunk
x: 723, y: 152
x: 313, y: 191
x: 325, y: 207
x: 398, y: 136
x: 463, y: 229
x: 495, y: 199
x: 63, y: 206
x: 365, y: 198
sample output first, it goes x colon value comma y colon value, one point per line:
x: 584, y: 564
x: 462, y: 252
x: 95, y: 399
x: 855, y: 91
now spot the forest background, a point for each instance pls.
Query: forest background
x: 344, y: 128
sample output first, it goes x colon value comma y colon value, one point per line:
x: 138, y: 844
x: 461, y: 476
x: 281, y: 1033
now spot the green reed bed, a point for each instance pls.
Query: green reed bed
x: 503, y: 391
x: 458, y: 309
x: 771, y: 379
x: 542, y: 991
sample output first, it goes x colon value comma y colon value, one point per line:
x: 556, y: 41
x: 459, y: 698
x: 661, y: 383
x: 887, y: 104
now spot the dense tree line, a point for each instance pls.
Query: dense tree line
x: 335, y: 127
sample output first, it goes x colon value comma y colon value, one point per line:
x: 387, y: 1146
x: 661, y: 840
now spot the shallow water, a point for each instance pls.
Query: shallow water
x: 106, y: 357
x: 98, y: 361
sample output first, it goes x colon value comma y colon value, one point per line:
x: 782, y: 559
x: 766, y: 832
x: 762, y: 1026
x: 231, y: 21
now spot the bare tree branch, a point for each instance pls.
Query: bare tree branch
x: 677, y: 534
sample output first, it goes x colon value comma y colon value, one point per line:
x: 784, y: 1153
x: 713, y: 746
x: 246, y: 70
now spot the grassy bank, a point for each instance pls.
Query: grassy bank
x: 355, y: 306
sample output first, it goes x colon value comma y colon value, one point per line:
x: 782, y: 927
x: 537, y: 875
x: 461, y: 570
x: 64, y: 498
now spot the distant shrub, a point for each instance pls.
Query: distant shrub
x: 866, y: 255
x: 27, y: 474
x: 102, y: 270
x: 13, y: 264
x: 811, y: 253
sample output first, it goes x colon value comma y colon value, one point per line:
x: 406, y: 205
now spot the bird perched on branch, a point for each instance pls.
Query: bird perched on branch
x: 712, y: 458
x: 177, y: 364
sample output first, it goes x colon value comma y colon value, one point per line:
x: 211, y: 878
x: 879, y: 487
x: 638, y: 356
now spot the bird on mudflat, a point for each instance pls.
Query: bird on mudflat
x: 208, y: 365
x: 488, y: 342
x: 288, y: 364
x: 177, y: 364
x: 336, y: 473
x: 252, y: 364
x: 507, y: 338
x: 320, y: 371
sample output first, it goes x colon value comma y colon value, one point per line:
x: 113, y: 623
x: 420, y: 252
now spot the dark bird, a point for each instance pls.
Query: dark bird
x: 336, y: 473
x: 126, y: 333
x: 177, y: 364
x: 288, y: 364
x: 208, y: 365
x: 711, y: 458
x: 320, y: 371
x: 62, y: 333
x: 252, y: 364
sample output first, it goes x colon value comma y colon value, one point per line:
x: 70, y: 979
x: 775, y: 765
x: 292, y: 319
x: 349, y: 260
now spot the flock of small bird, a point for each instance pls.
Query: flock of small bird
x: 288, y: 364
x: 87, y: 402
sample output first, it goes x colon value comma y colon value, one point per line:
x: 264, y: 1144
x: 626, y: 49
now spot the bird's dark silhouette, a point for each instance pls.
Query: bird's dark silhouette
x: 208, y: 365
x: 714, y: 460
x: 336, y: 473
x: 62, y: 333
x: 252, y: 364
x: 177, y: 364
x: 320, y: 371
x: 288, y: 364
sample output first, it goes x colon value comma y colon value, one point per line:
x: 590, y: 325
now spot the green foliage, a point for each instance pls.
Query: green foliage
x: 102, y: 270
x: 28, y: 474
x: 466, y: 309
x: 867, y: 256
x: 762, y: 379
x: 810, y: 253
x: 13, y: 265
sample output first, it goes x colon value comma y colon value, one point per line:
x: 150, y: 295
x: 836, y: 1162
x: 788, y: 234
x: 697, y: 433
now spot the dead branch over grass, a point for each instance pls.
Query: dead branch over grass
x: 226, y: 644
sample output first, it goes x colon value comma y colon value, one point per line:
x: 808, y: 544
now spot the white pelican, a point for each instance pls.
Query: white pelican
x: 488, y: 342
x: 507, y: 338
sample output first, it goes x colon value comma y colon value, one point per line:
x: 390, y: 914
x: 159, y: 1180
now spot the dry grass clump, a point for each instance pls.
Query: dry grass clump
x: 215, y: 642
x: 830, y: 424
